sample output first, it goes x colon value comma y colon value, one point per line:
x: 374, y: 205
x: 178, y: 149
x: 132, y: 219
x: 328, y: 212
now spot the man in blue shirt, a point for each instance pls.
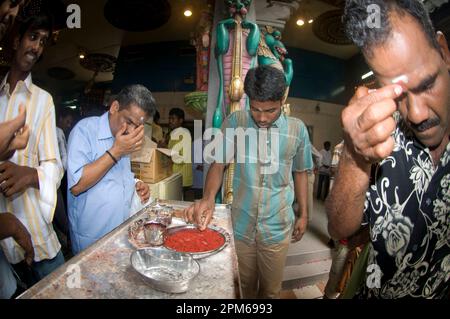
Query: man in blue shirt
x: 100, y: 182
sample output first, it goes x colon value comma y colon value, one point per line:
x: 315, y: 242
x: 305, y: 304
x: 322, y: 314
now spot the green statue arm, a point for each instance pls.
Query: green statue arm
x: 252, y: 38
x: 288, y: 71
x: 222, y: 46
x: 223, y: 37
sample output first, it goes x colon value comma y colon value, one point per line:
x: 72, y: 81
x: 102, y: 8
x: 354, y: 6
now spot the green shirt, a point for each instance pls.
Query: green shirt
x: 262, y: 203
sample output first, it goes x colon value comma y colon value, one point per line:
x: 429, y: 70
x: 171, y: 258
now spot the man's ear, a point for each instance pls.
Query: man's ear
x: 114, y: 108
x: 442, y: 41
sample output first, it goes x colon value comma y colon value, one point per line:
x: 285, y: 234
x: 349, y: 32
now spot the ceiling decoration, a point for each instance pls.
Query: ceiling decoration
x: 329, y: 28
x: 97, y: 62
x: 137, y: 15
x: 275, y: 13
x: 60, y: 73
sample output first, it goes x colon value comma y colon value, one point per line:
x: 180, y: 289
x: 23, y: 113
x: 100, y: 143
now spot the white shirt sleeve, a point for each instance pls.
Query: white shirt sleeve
x: 50, y: 169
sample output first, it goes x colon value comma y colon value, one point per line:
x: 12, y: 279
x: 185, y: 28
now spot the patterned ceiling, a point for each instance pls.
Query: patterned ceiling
x: 328, y: 27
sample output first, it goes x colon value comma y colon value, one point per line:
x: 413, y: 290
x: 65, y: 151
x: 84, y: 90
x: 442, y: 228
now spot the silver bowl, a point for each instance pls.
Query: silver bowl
x: 165, y: 270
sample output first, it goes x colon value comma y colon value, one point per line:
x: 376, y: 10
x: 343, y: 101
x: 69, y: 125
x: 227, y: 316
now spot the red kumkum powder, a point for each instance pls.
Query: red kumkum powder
x: 194, y: 240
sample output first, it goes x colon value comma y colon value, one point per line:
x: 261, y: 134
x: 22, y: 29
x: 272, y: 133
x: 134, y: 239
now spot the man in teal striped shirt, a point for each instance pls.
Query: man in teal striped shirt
x: 262, y: 214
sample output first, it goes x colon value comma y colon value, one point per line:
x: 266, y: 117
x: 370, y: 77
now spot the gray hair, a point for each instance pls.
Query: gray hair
x: 139, y: 95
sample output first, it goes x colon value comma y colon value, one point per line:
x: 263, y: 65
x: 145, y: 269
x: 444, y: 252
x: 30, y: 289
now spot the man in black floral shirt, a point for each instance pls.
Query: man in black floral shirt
x: 407, y: 206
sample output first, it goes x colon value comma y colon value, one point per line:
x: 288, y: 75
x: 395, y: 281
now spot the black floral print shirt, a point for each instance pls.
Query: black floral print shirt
x: 408, y: 211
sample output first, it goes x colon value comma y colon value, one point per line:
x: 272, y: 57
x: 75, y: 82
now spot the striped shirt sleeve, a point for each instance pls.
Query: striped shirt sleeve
x: 303, y: 158
x: 50, y: 169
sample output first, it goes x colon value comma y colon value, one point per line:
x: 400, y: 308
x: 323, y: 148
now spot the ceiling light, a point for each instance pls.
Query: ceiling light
x: 1, y: 48
x: 300, y: 22
x: 338, y: 91
x: 81, y: 53
x: 311, y: 21
x: 365, y: 76
x: 73, y: 107
x: 187, y: 13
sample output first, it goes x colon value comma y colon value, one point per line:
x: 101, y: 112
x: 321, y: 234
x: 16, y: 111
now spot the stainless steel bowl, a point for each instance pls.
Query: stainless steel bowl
x: 165, y: 270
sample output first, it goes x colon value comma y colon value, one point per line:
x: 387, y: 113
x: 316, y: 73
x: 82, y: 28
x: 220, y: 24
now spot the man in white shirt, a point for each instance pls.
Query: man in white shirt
x: 30, y: 178
x: 63, y: 126
x: 317, y: 160
x: 324, y: 172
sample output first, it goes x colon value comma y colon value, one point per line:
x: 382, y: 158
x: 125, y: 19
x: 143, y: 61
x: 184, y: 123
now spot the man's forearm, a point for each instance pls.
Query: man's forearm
x: 92, y: 174
x: 34, y: 179
x: 345, y: 203
x: 213, y: 180
x: 7, y: 131
x: 31, y: 176
x: 8, y: 225
x: 301, y: 192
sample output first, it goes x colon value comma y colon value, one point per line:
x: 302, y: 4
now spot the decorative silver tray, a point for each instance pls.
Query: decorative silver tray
x: 198, y: 255
x: 136, y: 235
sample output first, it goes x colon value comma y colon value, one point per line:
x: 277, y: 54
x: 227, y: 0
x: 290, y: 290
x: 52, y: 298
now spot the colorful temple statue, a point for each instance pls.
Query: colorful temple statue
x: 202, y: 45
x: 271, y: 51
x: 197, y: 100
x: 236, y: 48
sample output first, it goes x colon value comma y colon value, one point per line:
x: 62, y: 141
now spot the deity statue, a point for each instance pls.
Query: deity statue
x: 271, y: 51
x: 202, y: 45
x: 236, y: 48
x: 235, y: 51
x: 198, y: 100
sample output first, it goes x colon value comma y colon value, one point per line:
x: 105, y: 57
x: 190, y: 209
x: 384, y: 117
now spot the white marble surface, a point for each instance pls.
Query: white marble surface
x: 104, y: 270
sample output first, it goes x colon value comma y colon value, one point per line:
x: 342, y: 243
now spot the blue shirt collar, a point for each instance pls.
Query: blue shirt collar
x: 104, y: 130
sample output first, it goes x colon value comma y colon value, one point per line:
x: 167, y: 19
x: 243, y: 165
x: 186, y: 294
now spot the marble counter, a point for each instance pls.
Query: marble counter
x: 104, y: 271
